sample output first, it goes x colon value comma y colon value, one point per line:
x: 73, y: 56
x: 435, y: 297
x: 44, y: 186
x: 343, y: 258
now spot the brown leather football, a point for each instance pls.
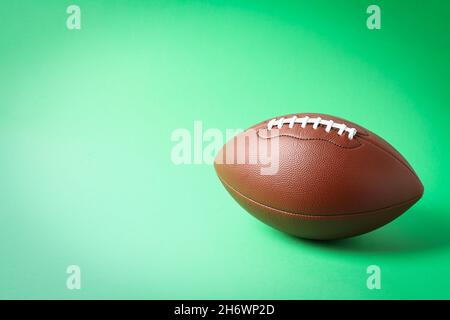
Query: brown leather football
x: 317, y: 176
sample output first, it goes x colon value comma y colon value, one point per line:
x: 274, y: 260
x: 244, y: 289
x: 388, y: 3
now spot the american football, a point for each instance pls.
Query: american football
x: 317, y: 176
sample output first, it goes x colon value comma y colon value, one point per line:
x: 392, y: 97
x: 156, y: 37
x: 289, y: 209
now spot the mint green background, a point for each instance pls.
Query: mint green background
x: 86, y: 118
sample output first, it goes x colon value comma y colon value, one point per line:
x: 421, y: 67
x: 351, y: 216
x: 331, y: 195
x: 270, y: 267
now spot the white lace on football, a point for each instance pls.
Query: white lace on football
x: 316, y: 122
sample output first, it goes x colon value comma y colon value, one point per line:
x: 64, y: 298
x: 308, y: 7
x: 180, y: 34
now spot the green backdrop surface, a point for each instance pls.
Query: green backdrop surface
x: 86, y: 118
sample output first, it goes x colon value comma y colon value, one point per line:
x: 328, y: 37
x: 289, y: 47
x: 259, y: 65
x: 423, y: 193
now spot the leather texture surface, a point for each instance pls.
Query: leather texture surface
x: 327, y: 185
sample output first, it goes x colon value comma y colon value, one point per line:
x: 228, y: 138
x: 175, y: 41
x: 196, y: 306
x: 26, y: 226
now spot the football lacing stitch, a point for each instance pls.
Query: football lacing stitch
x: 329, y: 124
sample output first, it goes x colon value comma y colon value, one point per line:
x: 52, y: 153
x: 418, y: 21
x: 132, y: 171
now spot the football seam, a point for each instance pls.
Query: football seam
x: 363, y: 137
x: 321, y: 216
x: 393, y: 156
x: 312, y: 139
